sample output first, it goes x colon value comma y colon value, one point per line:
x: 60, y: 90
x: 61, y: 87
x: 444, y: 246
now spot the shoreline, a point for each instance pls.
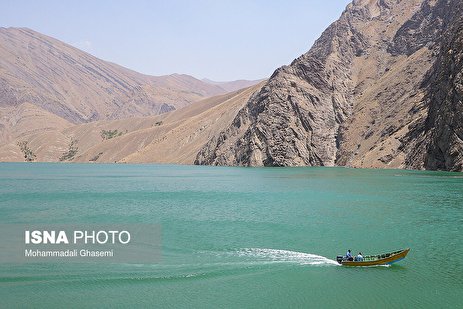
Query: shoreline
x: 230, y: 166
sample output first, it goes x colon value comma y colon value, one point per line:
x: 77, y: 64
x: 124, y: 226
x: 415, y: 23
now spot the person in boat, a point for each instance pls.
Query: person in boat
x: 349, y: 256
x: 359, y: 257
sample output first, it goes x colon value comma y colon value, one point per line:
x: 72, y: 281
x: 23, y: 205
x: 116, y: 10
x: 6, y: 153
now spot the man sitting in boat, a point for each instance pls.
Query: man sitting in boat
x: 349, y: 256
x: 359, y: 257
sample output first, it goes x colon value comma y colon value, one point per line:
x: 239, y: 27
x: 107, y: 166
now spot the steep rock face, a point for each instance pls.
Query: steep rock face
x: 381, y: 88
x: 390, y: 103
x: 294, y: 119
x: 424, y: 28
x: 438, y: 140
x: 298, y: 116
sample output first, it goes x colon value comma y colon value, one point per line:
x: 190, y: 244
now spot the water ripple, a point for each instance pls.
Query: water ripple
x: 285, y: 256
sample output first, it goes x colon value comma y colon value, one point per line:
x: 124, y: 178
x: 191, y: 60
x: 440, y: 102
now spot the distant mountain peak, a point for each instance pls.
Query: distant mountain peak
x: 233, y: 85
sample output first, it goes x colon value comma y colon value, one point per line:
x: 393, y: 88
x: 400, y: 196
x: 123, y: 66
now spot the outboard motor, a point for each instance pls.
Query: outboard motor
x: 339, y: 258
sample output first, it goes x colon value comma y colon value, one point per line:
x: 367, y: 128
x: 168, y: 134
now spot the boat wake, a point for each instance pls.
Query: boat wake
x: 285, y: 256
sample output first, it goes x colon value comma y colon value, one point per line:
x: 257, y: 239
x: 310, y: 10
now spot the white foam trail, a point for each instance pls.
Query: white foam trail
x: 285, y: 256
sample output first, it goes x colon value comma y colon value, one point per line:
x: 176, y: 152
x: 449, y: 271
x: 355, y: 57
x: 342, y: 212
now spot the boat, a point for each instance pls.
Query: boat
x: 375, y: 260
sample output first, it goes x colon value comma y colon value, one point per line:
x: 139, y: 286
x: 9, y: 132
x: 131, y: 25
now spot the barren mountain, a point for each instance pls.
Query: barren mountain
x: 173, y: 137
x: 47, y: 86
x: 377, y: 83
x: 382, y: 87
x: 437, y: 140
x: 79, y: 87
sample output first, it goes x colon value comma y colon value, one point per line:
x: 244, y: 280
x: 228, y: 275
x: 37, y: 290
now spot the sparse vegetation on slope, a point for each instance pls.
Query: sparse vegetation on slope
x: 71, y: 152
x: 29, y: 156
x: 108, y: 134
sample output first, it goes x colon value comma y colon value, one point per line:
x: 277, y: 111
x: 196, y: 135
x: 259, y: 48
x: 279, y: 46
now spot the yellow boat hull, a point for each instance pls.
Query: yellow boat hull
x: 382, y: 259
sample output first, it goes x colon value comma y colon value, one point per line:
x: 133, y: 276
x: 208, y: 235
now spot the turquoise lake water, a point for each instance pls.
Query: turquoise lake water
x: 243, y: 237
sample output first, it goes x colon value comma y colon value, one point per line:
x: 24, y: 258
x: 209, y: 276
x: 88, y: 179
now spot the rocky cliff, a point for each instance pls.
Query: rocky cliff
x: 361, y: 96
x: 438, y: 140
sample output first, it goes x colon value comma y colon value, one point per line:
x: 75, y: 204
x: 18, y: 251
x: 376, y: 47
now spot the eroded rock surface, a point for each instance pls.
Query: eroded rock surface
x: 360, y: 97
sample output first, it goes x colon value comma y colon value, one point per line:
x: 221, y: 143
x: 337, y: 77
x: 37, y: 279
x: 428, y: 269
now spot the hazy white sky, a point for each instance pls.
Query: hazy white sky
x: 221, y: 40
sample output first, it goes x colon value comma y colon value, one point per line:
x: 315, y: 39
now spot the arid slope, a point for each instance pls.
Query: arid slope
x: 173, y: 137
x: 47, y: 86
x: 79, y: 87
